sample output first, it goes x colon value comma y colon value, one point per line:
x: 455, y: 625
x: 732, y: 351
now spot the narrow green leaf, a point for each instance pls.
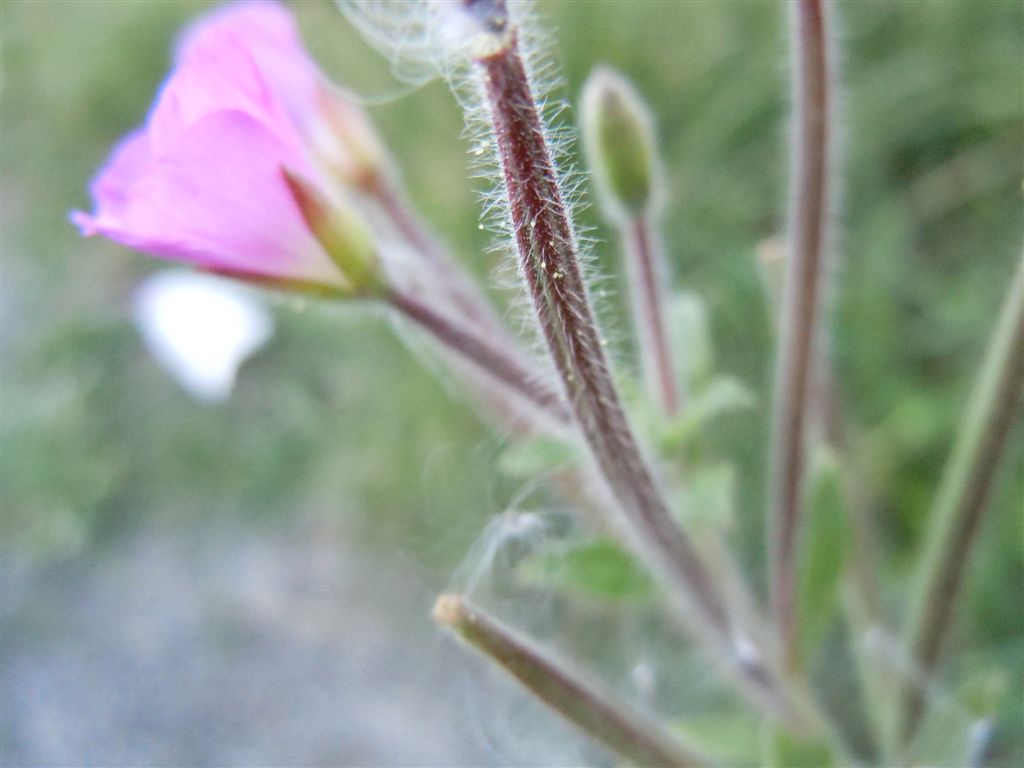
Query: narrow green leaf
x: 720, y: 396
x: 785, y: 750
x: 536, y: 457
x: 823, y: 549
x: 597, y: 568
x: 708, y: 499
x: 733, y: 737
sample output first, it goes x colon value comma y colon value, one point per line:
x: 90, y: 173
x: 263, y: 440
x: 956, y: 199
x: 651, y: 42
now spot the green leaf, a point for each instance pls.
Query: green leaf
x: 720, y: 396
x: 597, y: 568
x: 733, y: 738
x: 536, y: 457
x: 784, y: 750
x: 985, y: 691
x: 708, y: 499
x: 824, y: 548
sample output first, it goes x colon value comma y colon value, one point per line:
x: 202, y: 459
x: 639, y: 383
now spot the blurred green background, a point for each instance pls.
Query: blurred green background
x: 337, y: 438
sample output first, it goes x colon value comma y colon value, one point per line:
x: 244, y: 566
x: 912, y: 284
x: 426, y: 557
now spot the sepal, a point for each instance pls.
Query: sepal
x: 343, y: 235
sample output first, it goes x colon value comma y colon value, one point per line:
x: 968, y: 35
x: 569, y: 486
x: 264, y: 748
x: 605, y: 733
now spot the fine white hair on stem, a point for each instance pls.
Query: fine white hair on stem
x: 422, y: 39
x: 488, y: 572
x: 425, y: 39
x: 411, y: 34
x: 503, y: 90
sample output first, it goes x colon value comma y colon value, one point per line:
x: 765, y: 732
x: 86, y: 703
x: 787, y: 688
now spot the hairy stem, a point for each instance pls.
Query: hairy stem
x: 548, y: 260
x: 457, y: 285
x: 829, y: 419
x: 647, y: 269
x: 967, y: 480
x: 606, y: 719
x: 478, y: 348
x: 800, y: 309
x: 863, y: 604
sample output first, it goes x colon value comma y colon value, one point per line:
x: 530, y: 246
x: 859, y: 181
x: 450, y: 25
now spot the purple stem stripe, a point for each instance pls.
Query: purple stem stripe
x: 800, y: 310
x: 648, y: 311
x: 549, y: 263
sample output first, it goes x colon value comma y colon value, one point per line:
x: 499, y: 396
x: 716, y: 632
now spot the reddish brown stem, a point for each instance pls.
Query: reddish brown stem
x: 568, y: 692
x: 800, y: 308
x: 454, y: 280
x: 477, y: 348
x: 648, y: 312
x: 548, y: 260
x: 549, y: 263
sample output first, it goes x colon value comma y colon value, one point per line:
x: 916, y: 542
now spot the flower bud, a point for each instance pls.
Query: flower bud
x: 619, y: 140
x: 341, y: 233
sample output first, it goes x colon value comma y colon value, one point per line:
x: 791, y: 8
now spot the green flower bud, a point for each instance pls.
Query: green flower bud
x: 342, y: 233
x: 619, y: 140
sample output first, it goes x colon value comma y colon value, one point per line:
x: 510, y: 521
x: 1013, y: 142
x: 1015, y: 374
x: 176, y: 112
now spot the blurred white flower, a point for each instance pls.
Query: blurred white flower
x: 200, y: 329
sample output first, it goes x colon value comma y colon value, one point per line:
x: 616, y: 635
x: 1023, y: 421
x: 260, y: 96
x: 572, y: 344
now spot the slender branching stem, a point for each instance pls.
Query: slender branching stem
x: 549, y: 263
x: 457, y: 285
x: 580, y: 701
x: 798, y: 330
x: 863, y: 602
x: 962, y: 499
x: 548, y: 260
x: 646, y: 264
x: 392, y: 201
x: 830, y: 423
x: 459, y: 291
x: 478, y: 348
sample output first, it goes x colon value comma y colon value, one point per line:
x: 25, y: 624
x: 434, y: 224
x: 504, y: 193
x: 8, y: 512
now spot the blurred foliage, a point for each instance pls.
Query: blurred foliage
x: 336, y: 418
x: 595, y: 568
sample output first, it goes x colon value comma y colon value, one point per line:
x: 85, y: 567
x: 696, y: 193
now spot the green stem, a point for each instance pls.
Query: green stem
x: 579, y: 701
x: 962, y: 499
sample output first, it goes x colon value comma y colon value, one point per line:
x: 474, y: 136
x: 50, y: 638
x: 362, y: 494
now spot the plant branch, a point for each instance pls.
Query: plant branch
x: 477, y: 348
x: 863, y: 604
x: 829, y: 420
x: 646, y: 264
x: 456, y: 284
x: 800, y: 308
x: 963, y: 495
x: 579, y: 701
x: 548, y: 260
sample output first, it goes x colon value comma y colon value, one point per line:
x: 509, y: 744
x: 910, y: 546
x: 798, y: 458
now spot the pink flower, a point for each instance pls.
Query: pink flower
x: 202, y: 181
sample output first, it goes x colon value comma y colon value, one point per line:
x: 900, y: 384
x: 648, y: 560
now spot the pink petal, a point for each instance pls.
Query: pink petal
x: 218, y: 75
x: 259, y: 20
x: 217, y: 199
x: 268, y: 32
x: 128, y: 161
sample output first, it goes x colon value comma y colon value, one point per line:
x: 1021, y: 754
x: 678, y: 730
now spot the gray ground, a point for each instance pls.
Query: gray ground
x: 276, y: 648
